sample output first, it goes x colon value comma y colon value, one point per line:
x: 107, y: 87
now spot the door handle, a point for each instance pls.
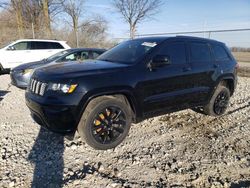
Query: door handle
x: 185, y: 69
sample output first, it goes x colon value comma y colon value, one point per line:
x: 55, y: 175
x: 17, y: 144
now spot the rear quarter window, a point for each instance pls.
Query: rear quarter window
x: 55, y: 45
x: 220, y: 53
x: 199, y: 52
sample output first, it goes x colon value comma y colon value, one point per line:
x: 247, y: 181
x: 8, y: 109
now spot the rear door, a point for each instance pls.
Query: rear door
x: 42, y: 49
x: 203, y: 70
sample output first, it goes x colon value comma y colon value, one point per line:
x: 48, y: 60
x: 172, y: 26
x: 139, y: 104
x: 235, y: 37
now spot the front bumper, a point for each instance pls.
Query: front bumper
x: 19, y: 79
x: 54, y: 114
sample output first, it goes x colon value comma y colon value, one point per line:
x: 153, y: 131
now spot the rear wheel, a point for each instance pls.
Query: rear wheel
x: 105, y: 122
x: 219, y: 102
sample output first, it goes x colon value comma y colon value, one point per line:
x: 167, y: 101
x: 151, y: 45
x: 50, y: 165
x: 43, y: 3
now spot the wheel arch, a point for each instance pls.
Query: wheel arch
x: 125, y: 95
x: 229, y: 82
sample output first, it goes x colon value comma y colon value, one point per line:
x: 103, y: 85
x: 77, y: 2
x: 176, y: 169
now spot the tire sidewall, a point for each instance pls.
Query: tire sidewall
x: 210, y: 107
x: 86, y: 127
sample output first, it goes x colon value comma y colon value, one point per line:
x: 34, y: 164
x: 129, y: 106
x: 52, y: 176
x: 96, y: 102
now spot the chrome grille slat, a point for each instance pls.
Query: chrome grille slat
x: 37, y: 87
x: 34, y: 86
x: 31, y: 84
x: 42, y: 90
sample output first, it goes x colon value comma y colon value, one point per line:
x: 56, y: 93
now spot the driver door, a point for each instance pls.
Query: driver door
x: 167, y: 88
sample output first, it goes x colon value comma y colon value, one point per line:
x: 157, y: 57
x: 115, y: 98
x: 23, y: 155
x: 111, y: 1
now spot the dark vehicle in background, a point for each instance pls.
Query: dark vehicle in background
x: 20, y: 75
x: 135, y: 80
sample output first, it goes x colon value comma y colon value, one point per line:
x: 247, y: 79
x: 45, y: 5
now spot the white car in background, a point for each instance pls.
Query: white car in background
x: 28, y: 50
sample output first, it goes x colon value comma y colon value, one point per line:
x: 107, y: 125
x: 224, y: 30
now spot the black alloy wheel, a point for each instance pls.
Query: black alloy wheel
x: 221, y: 103
x: 105, y: 122
x: 108, y: 125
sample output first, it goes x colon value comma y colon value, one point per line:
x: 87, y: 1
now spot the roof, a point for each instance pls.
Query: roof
x: 92, y: 49
x: 40, y: 40
x: 179, y: 36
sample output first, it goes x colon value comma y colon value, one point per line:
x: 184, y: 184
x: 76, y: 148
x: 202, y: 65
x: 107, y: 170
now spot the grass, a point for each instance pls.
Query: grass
x: 242, y: 56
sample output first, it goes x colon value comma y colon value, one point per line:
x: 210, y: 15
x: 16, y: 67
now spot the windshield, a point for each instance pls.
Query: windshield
x: 130, y: 51
x: 57, y: 55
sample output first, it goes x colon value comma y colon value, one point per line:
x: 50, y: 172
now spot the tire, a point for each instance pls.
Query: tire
x: 105, y: 122
x: 219, y: 102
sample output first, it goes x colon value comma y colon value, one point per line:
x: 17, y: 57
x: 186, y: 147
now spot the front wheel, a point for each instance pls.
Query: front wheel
x: 219, y: 102
x: 105, y: 122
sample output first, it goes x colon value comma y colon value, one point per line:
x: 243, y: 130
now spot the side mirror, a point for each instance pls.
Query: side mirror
x: 11, y: 48
x: 159, y: 61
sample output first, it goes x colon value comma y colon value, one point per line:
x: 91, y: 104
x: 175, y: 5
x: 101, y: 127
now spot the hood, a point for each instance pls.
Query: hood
x: 75, y: 68
x: 31, y: 65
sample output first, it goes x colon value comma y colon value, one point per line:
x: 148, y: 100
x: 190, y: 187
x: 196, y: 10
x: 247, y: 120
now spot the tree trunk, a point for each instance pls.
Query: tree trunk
x: 75, y: 27
x: 132, y: 31
x: 19, y: 17
x: 47, y: 17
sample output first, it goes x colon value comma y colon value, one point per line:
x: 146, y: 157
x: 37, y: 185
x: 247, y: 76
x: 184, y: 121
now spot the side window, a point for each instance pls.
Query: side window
x: 83, y: 56
x: 39, y: 45
x: 21, y: 46
x: 96, y: 54
x: 199, y: 52
x: 45, y: 45
x: 176, y: 52
x: 71, y: 57
x: 77, y: 56
x: 220, y: 53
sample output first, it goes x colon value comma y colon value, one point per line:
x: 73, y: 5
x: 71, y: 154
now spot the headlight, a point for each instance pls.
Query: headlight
x: 64, y: 88
x: 26, y: 71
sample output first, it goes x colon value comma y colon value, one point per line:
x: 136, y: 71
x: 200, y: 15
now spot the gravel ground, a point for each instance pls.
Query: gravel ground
x: 183, y: 149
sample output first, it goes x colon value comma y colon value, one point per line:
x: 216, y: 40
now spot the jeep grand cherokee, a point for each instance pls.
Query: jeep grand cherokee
x: 135, y: 80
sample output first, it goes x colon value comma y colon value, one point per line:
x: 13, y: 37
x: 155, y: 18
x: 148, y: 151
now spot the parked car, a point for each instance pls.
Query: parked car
x: 28, y: 50
x: 20, y: 75
x: 135, y: 80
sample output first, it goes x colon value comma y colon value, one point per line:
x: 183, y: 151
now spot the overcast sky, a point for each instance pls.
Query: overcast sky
x: 185, y: 15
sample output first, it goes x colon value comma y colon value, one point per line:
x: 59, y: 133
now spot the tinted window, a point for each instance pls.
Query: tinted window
x: 39, y: 45
x: 220, y: 53
x: 45, y: 45
x: 130, y: 51
x: 21, y: 46
x: 55, y: 45
x: 199, y: 52
x: 176, y: 52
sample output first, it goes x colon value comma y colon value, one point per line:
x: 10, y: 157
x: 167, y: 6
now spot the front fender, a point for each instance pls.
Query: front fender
x: 126, y: 91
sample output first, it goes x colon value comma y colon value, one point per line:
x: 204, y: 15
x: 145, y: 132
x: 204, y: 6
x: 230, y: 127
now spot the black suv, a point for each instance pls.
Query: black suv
x: 135, y: 80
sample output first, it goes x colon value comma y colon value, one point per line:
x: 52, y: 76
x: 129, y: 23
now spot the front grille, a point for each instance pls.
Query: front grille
x: 37, y: 87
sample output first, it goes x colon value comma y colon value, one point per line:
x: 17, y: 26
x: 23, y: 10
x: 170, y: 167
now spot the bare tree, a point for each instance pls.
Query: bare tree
x: 17, y: 5
x: 136, y: 11
x: 45, y: 5
x: 74, y: 9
